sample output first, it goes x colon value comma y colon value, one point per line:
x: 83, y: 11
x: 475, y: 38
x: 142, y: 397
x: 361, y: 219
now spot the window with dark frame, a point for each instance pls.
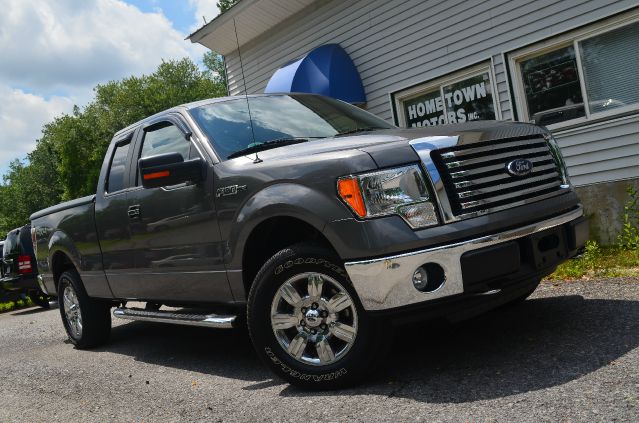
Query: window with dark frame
x: 451, y: 100
x: 161, y: 139
x: 116, y: 179
x: 601, y: 67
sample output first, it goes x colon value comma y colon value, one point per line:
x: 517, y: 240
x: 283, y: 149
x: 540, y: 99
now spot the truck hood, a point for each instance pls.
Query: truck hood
x: 391, y: 147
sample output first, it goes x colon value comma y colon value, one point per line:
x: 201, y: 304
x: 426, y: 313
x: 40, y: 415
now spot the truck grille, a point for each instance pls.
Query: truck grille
x: 476, y: 179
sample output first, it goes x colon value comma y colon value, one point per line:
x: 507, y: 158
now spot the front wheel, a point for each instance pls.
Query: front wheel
x: 86, y: 320
x: 307, y: 324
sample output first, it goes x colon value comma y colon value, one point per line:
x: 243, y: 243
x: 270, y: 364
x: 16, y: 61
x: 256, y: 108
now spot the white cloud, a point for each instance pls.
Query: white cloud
x: 53, y: 53
x: 21, y: 118
x: 206, y: 9
x: 67, y: 44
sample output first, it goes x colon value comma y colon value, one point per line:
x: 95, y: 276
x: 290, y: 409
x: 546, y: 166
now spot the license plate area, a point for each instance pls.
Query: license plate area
x: 548, y: 247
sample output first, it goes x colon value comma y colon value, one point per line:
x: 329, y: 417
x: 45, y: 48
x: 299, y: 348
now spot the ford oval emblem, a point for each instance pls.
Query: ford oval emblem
x: 519, y: 167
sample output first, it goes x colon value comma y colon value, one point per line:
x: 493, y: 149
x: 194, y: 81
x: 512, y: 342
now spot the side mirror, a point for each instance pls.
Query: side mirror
x: 170, y: 169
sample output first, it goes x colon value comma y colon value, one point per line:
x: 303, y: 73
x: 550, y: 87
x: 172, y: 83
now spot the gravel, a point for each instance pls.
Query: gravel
x: 571, y: 353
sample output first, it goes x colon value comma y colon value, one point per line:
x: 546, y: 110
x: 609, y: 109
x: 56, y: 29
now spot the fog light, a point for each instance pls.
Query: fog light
x: 429, y: 277
x: 420, y: 279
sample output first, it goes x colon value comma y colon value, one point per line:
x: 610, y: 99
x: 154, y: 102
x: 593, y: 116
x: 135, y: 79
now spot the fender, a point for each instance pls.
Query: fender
x: 282, y: 200
x: 94, y: 281
x: 60, y: 242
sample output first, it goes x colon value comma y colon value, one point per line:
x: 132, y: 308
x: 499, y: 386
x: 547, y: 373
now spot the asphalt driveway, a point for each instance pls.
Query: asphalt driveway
x: 571, y: 353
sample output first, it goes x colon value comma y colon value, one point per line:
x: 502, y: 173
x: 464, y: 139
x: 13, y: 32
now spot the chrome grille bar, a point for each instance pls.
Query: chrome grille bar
x: 510, y: 154
x: 490, y: 149
x: 503, y: 177
x: 501, y: 166
x: 497, y: 198
x: 491, y: 189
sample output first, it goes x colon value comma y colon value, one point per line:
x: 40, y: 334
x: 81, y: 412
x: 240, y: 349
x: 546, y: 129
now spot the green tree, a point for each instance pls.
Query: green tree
x: 28, y: 186
x: 213, y: 61
x: 66, y: 161
x: 225, y: 5
x: 215, y: 64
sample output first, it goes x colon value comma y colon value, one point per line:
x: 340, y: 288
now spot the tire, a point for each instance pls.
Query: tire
x: 93, y: 316
x: 40, y: 299
x: 338, y: 345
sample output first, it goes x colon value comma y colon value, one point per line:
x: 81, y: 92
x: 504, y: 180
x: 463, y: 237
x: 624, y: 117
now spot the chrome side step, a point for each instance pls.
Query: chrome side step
x: 176, y: 317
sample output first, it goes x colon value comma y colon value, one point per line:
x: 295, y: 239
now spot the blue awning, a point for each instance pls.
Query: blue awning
x: 326, y: 70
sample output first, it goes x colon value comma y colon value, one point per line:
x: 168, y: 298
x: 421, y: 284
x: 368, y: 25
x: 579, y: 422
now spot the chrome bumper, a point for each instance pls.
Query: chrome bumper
x: 386, y: 282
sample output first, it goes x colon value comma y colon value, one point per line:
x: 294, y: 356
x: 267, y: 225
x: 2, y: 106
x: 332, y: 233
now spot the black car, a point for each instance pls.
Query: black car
x: 18, y: 267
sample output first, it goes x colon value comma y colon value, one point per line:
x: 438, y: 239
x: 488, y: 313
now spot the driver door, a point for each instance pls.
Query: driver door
x: 175, y: 239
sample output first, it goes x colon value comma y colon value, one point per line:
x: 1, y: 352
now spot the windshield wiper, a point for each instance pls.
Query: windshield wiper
x: 267, y: 145
x: 363, y: 129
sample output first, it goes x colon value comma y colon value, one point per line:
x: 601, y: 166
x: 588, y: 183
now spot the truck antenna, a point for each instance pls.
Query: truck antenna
x: 248, y: 103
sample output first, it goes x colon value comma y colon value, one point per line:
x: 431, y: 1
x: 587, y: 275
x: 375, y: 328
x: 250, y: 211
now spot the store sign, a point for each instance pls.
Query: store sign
x: 467, y: 100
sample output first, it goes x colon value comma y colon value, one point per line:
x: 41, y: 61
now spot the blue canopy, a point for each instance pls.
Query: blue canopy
x: 326, y: 70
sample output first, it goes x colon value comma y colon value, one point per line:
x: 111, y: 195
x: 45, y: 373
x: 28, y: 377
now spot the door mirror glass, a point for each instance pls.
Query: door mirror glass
x: 170, y: 169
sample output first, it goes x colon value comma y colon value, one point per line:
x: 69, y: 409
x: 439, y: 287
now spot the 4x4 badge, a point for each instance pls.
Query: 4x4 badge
x: 230, y: 190
x: 519, y: 167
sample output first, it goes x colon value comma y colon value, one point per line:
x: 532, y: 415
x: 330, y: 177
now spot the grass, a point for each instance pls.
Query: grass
x: 15, y: 305
x: 599, y: 262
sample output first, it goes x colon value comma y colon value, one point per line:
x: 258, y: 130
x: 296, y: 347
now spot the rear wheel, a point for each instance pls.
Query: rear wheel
x: 86, y: 320
x: 307, y: 324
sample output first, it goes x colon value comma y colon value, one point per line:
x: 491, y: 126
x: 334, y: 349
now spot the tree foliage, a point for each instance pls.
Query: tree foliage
x: 66, y: 161
x: 213, y: 61
x: 225, y: 5
x: 215, y: 64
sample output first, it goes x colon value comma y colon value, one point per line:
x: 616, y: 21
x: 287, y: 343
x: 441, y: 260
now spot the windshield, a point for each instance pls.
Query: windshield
x: 279, y: 117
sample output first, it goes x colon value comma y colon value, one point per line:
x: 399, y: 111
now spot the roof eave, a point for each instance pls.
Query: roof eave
x: 220, y: 20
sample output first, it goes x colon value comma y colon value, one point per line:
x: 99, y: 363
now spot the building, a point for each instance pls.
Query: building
x: 568, y: 64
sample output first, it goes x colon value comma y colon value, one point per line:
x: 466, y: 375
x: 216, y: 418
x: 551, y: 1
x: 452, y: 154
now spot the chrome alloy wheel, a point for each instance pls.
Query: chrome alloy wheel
x: 72, y: 311
x: 314, y: 319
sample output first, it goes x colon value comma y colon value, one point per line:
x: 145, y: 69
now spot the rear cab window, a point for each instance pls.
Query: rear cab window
x: 117, y: 176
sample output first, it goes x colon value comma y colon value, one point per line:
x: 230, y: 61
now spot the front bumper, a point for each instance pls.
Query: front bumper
x: 469, y: 266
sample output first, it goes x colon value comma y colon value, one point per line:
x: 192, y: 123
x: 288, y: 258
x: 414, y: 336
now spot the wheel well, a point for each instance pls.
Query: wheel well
x: 60, y: 263
x: 271, y: 236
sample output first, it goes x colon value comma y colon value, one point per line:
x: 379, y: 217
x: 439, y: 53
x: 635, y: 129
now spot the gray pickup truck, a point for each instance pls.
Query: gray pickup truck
x: 313, y: 222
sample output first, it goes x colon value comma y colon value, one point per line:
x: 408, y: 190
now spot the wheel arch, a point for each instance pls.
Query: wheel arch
x: 277, y: 216
x: 272, y: 235
x: 63, y: 256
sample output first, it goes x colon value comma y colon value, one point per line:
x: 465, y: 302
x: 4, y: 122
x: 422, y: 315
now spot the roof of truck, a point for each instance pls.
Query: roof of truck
x: 192, y: 105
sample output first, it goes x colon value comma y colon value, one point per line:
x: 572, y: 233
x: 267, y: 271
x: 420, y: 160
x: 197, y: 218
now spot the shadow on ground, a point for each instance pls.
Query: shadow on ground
x: 33, y: 310
x: 541, y: 343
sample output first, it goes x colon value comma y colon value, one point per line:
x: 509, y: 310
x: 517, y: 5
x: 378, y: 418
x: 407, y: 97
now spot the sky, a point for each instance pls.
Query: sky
x: 52, y: 54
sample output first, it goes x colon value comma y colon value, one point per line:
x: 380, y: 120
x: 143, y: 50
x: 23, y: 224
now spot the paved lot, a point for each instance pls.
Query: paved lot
x: 569, y: 354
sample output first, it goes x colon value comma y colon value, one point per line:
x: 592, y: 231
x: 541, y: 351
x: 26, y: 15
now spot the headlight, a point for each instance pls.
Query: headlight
x: 559, y: 159
x: 400, y: 191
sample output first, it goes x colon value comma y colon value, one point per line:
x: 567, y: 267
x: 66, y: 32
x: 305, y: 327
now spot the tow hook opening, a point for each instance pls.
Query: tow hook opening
x: 548, y: 243
x: 429, y: 277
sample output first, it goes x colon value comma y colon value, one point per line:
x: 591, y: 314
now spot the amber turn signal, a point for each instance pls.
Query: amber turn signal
x: 350, y: 192
x: 156, y: 175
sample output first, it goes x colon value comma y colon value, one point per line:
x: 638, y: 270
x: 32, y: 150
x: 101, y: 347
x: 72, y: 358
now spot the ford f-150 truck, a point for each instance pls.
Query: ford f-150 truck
x: 315, y: 223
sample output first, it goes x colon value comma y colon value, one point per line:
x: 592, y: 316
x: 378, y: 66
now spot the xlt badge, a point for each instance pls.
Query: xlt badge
x: 519, y: 167
x: 230, y: 190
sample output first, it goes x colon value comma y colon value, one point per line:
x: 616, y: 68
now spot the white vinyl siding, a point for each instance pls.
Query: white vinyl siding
x: 399, y: 44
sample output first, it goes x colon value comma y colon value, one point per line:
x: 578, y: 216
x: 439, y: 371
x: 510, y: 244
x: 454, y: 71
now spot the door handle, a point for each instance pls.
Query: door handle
x: 134, y: 211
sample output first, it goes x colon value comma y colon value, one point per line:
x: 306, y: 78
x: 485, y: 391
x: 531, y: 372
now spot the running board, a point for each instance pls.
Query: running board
x: 176, y: 317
